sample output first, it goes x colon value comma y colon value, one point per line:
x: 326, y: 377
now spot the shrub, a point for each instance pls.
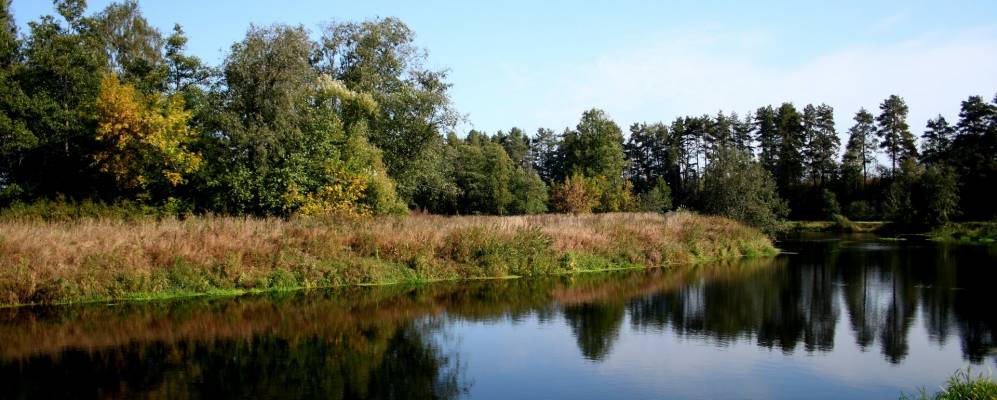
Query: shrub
x: 576, y: 195
x: 737, y: 187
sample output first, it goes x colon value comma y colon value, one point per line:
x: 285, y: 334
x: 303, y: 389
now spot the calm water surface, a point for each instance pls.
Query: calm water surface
x: 836, y: 317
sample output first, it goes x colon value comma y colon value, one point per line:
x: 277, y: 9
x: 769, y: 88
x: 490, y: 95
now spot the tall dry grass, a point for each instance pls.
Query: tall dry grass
x: 87, y: 260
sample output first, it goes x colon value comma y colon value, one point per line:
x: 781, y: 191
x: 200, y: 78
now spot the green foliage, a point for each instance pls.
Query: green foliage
x: 789, y: 128
x: 893, y: 131
x: 658, y: 198
x: 379, y: 57
x: 294, y: 139
x: 936, y: 145
x: 941, y: 192
x: 821, y: 143
x: 967, y: 232
x: 650, y: 150
x: 860, y: 151
x: 595, y: 147
x: 736, y: 187
x: 860, y: 210
x: 829, y: 203
x: 354, y: 123
x: 491, y: 182
x: 529, y: 193
x: 62, y: 210
x: 547, y: 161
x: 134, y: 48
x: 898, y: 202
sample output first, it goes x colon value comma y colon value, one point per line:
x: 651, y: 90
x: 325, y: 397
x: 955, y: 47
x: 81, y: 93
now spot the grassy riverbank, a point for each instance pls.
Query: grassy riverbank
x: 840, y: 224
x: 44, y: 262
x: 966, y: 232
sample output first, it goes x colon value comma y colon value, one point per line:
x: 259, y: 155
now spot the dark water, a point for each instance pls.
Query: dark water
x: 838, y: 317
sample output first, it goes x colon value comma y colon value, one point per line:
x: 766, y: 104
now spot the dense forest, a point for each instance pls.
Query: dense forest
x: 104, y: 108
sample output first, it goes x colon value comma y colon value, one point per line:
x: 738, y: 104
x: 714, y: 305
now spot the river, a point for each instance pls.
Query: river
x: 832, y: 317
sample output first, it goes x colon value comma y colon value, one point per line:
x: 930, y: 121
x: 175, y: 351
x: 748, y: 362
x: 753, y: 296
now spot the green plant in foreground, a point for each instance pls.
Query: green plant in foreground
x: 962, y: 385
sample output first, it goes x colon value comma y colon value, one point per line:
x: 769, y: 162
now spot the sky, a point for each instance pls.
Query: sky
x: 542, y: 63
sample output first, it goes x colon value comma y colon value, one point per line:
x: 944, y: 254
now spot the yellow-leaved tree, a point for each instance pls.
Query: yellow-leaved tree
x: 146, y: 138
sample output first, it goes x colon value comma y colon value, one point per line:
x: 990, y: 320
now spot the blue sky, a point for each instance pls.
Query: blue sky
x: 541, y: 63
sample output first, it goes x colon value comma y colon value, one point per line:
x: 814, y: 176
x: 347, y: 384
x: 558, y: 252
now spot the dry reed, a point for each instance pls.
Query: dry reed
x: 91, y: 260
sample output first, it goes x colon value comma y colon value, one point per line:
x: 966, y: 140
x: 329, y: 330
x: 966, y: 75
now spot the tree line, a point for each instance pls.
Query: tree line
x: 104, y: 107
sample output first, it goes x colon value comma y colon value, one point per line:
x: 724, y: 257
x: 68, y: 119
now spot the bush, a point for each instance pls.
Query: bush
x: 860, y: 210
x: 736, y: 187
x: 576, y: 195
x: 658, y: 199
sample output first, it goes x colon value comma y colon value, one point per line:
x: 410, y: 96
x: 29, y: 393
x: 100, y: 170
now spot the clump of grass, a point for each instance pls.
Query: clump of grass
x: 843, y: 224
x: 962, y: 385
x: 90, y: 259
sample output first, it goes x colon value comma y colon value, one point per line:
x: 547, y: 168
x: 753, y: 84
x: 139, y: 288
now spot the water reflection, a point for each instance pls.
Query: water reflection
x: 394, y: 342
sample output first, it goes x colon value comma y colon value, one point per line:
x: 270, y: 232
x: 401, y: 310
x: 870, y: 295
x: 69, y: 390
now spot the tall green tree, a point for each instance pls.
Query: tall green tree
x: 718, y: 133
x: 595, y: 147
x: 789, y: 128
x: 743, y: 131
x: 650, y: 154
x: 546, y: 149
x: 483, y: 173
x: 517, y: 145
x: 379, y: 57
x: 133, y: 46
x: 941, y: 190
x: 822, y: 143
x: 63, y: 63
x: 184, y: 71
x: 894, y: 133
x: 15, y: 137
x: 974, y: 157
x: 767, y: 136
x: 937, y: 141
x: 292, y: 139
x: 862, y: 143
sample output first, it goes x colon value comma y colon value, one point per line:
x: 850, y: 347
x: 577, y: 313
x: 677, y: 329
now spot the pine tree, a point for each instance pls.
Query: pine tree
x: 649, y: 154
x: 894, y: 133
x: 743, y: 132
x: 768, y: 138
x: 717, y: 134
x: 862, y: 143
x: 822, y: 143
x: 789, y: 127
x: 183, y: 71
x: 937, y: 141
x: 546, y: 155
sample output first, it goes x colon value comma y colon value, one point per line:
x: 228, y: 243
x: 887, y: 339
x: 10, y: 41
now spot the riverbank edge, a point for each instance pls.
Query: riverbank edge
x: 464, y: 249
x: 222, y: 293
x: 140, y: 297
x: 970, y: 232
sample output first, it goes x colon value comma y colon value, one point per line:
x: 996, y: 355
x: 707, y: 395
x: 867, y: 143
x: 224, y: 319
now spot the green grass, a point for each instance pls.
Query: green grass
x: 962, y: 385
x: 966, y: 232
x: 839, y: 223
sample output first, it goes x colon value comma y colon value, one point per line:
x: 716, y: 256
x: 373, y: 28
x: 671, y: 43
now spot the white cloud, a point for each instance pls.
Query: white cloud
x: 690, y: 74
